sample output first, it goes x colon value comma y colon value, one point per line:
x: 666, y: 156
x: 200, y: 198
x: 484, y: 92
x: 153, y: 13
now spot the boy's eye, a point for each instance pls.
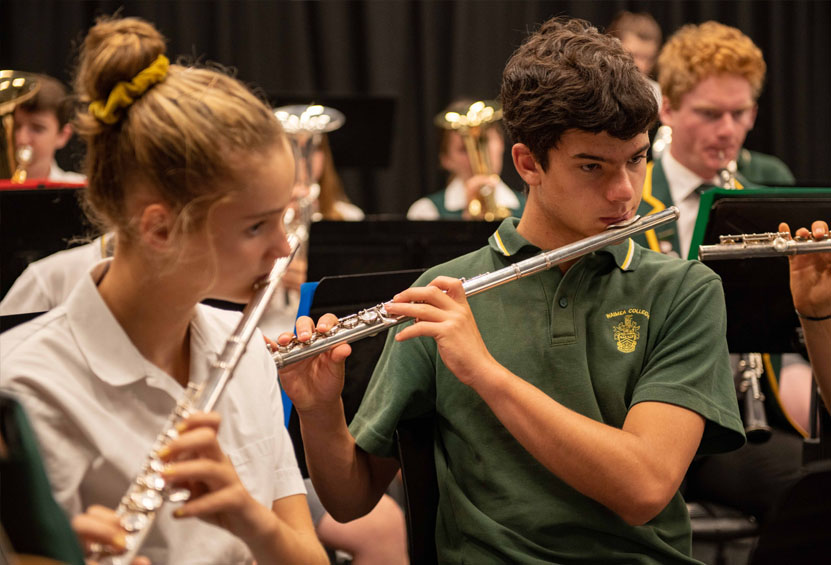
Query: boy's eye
x: 710, y: 114
x: 739, y: 115
x: 589, y: 167
x: 637, y: 159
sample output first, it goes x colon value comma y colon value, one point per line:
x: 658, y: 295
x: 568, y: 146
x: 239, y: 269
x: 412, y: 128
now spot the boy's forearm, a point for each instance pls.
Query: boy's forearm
x: 817, y: 339
x: 339, y: 470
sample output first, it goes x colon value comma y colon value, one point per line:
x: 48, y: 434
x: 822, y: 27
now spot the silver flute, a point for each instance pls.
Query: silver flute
x: 149, y: 491
x: 750, y: 246
x: 376, y: 319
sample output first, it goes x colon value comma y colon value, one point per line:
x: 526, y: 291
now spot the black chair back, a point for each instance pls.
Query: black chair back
x: 415, y: 439
x: 798, y: 531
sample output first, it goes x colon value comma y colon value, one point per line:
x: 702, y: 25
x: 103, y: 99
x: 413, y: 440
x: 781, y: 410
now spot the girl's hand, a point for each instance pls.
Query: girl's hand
x: 318, y: 381
x: 196, y: 461
x: 101, y: 534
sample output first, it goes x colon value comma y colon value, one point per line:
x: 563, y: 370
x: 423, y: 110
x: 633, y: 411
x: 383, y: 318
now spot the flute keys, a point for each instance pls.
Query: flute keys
x: 368, y: 317
x: 153, y: 481
x: 134, y: 521
x: 177, y: 494
x: 147, y: 499
x: 156, y: 465
x: 780, y: 244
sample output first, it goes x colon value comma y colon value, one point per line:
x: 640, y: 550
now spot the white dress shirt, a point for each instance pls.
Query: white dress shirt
x: 682, y: 185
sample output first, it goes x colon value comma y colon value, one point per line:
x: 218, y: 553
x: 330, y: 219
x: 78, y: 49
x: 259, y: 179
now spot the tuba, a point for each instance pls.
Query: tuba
x: 471, y: 121
x: 15, y: 88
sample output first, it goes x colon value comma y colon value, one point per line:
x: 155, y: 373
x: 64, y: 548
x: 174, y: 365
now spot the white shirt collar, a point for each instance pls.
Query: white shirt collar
x: 455, y: 198
x: 56, y: 174
x: 111, y: 354
x: 682, y: 181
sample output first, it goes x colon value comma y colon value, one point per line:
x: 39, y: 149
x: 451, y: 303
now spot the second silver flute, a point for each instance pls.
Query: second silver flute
x: 376, y: 319
x: 752, y: 245
x: 149, y: 491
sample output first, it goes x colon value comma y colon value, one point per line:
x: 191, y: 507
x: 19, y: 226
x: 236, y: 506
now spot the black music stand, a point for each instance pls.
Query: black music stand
x: 35, y: 222
x: 760, y: 313
x: 380, y: 245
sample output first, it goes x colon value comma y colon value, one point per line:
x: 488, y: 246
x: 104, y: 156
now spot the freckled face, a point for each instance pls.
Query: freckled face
x: 711, y: 122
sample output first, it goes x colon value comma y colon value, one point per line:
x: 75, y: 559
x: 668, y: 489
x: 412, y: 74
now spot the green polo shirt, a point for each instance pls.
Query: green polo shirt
x: 623, y: 325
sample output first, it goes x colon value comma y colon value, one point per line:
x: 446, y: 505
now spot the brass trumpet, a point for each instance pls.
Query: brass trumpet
x: 15, y: 88
x: 471, y: 121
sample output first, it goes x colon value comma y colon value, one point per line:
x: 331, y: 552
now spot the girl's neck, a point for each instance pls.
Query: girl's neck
x: 154, y: 312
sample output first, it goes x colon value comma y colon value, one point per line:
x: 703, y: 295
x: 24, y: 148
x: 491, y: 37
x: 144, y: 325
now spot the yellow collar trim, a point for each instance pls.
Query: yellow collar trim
x: 630, y: 253
x: 500, y: 244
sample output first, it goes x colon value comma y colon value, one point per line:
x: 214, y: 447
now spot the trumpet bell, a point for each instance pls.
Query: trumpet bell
x: 309, y: 119
x: 470, y: 120
x: 463, y: 115
x: 15, y: 88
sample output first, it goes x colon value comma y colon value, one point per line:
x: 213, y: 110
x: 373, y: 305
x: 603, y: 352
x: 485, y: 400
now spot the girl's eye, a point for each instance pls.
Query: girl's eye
x: 256, y: 228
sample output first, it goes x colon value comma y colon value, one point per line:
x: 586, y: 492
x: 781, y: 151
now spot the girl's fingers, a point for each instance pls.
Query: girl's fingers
x: 326, y: 323
x: 215, y: 475
x: 93, y: 530
x: 225, y: 500
x: 195, y: 442
x: 200, y: 419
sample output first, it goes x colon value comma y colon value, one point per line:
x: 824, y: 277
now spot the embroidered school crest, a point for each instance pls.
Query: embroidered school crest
x: 627, y: 334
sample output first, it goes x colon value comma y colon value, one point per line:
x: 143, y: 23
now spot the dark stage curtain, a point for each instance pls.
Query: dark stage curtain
x: 394, y: 65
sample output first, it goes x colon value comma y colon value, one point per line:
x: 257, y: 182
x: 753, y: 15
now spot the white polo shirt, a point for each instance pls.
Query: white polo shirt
x: 97, y: 405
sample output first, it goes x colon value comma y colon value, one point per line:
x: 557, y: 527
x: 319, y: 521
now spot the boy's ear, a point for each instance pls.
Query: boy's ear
x: 63, y: 136
x: 526, y: 164
x: 665, y: 112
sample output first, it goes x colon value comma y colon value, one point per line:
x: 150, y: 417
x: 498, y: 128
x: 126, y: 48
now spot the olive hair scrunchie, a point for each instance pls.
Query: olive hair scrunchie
x: 125, y: 93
